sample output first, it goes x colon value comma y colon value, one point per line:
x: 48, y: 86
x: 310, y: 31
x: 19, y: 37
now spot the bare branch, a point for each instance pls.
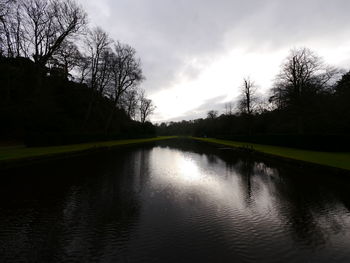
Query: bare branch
x: 146, y: 107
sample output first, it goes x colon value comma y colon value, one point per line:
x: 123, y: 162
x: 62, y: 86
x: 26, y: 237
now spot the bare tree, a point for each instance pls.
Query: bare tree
x: 48, y: 24
x: 146, y: 107
x: 212, y: 114
x: 248, y: 99
x: 38, y: 28
x: 126, y: 73
x: 229, y: 108
x: 12, y: 39
x: 263, y: 104
x: 103, y: 78
x: 3, y: 12
x: 66, y: 58
x: 105, y: 71
x: 83, y: 68
x: 303, y: 76
x: 96, y: 66
x: 248, y: 102
x: 130, y: 101
x: 98, y: 45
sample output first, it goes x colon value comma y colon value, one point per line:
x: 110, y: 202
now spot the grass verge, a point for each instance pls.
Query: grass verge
x: 21, y: 153
x: 332, y: 159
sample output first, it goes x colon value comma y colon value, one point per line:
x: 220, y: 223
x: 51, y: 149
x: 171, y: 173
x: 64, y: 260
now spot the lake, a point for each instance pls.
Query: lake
x: 173, y: 201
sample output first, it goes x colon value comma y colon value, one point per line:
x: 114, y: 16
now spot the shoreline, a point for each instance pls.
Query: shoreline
x: 335, y: 161
x: 11, y: 157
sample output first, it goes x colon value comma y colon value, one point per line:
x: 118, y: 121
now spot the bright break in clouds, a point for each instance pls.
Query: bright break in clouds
x: 196, y: 53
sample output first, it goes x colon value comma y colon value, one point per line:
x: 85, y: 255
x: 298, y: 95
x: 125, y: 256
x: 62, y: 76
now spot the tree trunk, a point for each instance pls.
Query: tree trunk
x: 111, y: 115
x: 89, y: 110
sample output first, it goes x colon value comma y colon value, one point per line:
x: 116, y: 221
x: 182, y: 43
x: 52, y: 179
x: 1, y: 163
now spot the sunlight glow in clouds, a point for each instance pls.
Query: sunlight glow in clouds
x: 221, y: 78
x: 196, y: 53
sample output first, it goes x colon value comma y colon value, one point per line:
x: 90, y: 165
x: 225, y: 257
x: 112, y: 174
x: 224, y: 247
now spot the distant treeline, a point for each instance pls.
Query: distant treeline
x: 308, y: 107
x: 63, y: 82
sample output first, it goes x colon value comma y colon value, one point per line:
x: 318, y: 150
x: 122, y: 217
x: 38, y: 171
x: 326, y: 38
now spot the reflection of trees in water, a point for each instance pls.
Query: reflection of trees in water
x: 245, y: 168
x: 92, y: 212
x: 110, y: 205
x: 306, y: 201
x: 310, y: 203
x: 87, y: 209
x: 212, y: 159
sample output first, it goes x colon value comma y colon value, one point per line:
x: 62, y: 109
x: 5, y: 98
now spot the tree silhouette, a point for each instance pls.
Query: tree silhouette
x: 248, y: 99
x: 58, y: 77
x: 126, y: 75
x: 302, y: 77
x: 212, y: 114
x: 146, y: 107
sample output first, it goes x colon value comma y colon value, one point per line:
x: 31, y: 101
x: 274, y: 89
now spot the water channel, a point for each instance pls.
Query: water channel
x: 173, y: 201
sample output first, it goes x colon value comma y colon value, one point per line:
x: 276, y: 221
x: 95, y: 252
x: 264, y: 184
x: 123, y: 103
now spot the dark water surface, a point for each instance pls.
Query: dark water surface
x: 175, y: 201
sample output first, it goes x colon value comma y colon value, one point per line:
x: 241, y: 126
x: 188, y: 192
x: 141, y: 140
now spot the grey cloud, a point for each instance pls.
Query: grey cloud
x: 168, y: 33
x: 201, y: 111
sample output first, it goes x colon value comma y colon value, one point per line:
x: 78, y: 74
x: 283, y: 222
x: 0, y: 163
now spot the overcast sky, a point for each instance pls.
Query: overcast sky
x: 195, y: 53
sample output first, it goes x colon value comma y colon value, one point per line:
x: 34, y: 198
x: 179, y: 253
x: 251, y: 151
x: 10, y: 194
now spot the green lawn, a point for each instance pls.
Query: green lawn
x: 11, y: 153
x: 338, y: 160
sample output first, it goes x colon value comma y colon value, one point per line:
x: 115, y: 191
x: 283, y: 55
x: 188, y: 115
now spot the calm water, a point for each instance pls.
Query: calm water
x: 176, y: 201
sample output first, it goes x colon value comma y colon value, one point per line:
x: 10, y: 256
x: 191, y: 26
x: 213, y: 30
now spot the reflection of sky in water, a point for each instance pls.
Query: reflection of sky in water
x: 188, y: 173
x: 248, y: 192
x: 145, y: 204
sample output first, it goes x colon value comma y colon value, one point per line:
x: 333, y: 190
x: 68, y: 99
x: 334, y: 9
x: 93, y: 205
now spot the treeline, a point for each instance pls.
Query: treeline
x: 308, y: 107
x: 62, y: 81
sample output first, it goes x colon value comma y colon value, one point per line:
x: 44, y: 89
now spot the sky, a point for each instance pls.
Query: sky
x: 195, y: 53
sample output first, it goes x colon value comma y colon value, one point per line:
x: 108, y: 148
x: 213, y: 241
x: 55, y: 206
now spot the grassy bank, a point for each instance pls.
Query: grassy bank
x: 336, y: 160
x: 22, y: 153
